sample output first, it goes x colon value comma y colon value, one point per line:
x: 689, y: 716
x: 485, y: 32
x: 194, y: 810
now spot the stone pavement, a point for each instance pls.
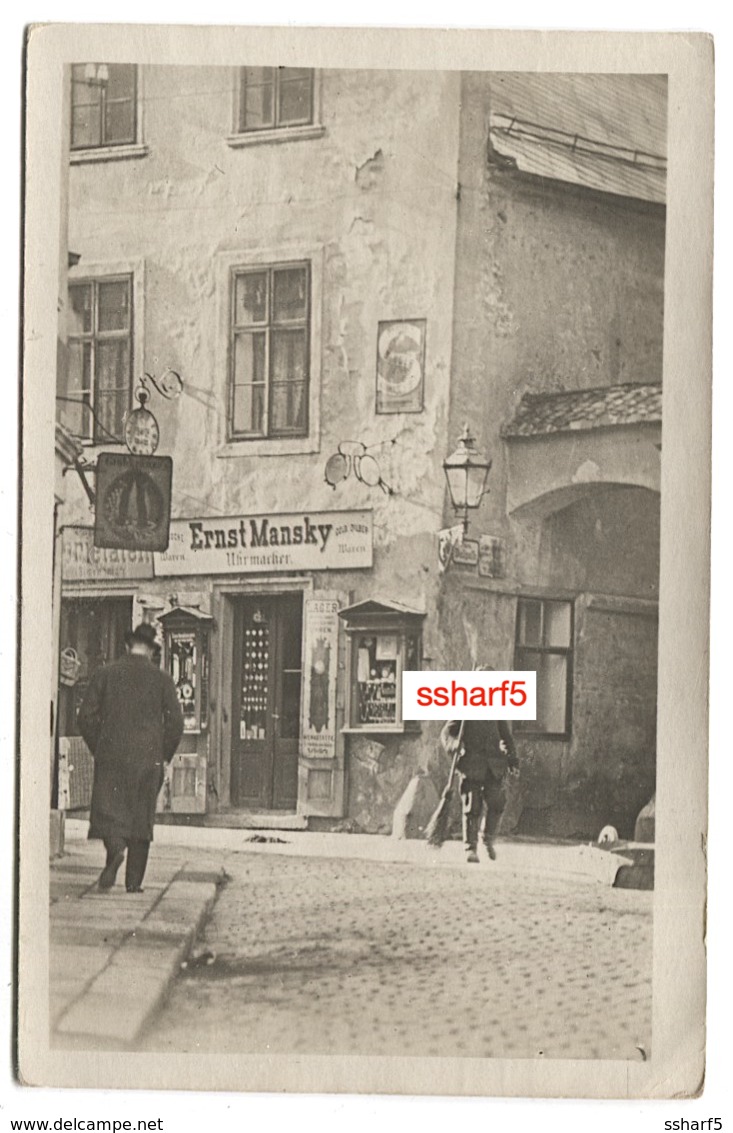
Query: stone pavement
x: 319, y: 955
x: 585, y: 863
x: 113, y: 955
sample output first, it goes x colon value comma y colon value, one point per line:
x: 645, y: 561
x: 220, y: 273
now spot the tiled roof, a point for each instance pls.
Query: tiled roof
x: 606, y: 132
x: 540, y: 413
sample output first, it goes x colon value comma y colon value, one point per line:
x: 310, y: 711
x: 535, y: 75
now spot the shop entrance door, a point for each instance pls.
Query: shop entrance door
x: 266, y: 682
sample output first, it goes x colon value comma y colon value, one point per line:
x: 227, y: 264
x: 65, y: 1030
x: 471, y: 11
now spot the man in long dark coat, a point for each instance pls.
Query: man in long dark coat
x: 132, y: 723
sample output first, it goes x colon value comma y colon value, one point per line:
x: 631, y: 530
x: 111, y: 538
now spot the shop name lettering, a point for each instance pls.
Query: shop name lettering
x: 260, y: 533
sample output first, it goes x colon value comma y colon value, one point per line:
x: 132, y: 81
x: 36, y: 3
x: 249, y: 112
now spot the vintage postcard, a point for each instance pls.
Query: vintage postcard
x: 351, y: 353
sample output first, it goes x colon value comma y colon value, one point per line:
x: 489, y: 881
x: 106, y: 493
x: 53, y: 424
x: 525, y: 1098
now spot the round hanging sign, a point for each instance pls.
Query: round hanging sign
x: 142, y: 434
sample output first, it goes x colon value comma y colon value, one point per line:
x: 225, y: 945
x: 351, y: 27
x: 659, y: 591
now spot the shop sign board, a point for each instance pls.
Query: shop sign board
x: 305, y: 540
x: 320, y: 670
x: 133, y: 506
x: 81, y: 561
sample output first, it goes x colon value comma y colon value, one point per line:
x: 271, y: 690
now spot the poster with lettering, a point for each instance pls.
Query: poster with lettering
x: 320, y: 668
x: 330, y: 540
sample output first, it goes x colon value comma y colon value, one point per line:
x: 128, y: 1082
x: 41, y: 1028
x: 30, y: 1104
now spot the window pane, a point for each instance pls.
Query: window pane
x: 112, y: 395
x: 120, y: 81
x: 376, y: 679
x: 250, y: 298
x: 557, y: 623
x: 86, y: 126
x: 249, y: 358
x: 114, y: 305
x: 76, y: 418
x: 258, y: 104
x: 529, y: 629
x: 291, y: 74
x: 288, y: 356
x: 119, y: 121
x: 290, y: 712
x: 85, y: 109
x: 552, y: 673
x: 551, y: 692
x: 295, y: 101
x: 80, y: 309
x: 248, y: 409
x: 288, y: 392
x: 287, y: 408
x: 254, y: 76
x: 290, y: 295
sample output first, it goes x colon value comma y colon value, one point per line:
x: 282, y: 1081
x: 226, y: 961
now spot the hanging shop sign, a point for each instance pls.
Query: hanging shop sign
x: 133, y: 505
x: 81, y: 561
x: 320, y: 669
x: 312, y: 540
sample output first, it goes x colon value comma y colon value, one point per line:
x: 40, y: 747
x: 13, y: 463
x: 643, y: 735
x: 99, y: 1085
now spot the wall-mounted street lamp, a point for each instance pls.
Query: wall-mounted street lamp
x: 466, y: 471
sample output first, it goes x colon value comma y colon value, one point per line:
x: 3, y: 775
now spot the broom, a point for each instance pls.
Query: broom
x: 436, y: 830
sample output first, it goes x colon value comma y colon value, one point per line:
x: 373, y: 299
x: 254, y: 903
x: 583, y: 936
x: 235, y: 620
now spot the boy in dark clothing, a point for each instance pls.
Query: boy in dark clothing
x: 488, y: 755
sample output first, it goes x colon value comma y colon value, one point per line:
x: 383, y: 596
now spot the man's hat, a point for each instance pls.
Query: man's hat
x: 144, y: 633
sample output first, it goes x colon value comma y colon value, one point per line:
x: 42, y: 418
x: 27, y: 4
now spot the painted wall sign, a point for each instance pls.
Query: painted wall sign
x: 320, y: 669
x: 81, y: 561
x: 307, y: 540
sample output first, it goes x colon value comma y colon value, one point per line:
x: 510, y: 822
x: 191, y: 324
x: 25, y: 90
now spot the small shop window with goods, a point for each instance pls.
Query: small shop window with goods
x: 186, y: 658
x: 384, y: 640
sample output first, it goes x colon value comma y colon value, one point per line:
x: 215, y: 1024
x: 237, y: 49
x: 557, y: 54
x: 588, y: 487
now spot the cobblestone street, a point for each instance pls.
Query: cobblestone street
x: 360, y: 957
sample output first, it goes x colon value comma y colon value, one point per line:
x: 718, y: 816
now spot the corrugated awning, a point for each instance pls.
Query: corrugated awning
x: 604, y: 132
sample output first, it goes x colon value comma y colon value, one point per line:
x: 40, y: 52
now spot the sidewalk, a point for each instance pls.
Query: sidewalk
x: 585, y: 863
x: 113, y: 955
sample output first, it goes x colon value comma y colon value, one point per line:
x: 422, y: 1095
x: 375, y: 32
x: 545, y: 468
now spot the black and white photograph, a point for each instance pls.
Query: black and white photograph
x: 360, y: 370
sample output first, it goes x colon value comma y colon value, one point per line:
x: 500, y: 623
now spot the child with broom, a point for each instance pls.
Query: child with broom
x: 483, y: 754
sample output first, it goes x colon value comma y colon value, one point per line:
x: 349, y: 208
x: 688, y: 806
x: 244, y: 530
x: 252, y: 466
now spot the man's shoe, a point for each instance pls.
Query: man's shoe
x: 135, y: 889
x: 108, y: 876
x: 491, y: 851
x: 471, y: 856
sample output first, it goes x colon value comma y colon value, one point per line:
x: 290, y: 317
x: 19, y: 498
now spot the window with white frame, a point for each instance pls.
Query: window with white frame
x: 103, y: 105
x: 269, y: 351
x: 272, y: 98
x: 98, y: 378
x: 544, y: 644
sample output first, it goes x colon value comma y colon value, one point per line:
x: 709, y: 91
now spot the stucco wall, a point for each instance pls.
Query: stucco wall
x: 561, y: 289
x: 372, y: 204
x: 556, y: 288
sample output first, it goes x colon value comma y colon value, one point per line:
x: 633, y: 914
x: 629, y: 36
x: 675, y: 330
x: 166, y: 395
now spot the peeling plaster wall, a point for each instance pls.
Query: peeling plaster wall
x: 559, y: 289
x: 374, y: 200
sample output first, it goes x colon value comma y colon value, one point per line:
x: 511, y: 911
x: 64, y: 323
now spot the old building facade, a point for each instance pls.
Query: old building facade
x: 344, y: 267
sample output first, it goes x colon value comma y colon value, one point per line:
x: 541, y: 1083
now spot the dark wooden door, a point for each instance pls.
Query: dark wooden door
x: 266, y: 682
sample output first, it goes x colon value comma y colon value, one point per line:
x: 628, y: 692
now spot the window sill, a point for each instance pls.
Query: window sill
x: 281, y: 134
x: 107, y: 153
x: 282, y: 446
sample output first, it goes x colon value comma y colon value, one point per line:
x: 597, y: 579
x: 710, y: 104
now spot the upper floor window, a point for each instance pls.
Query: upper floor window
x: 544, y: 643
x: 275, y: 97
x: 99, y: 358
x: 103, y: 105
x: 269, y: 352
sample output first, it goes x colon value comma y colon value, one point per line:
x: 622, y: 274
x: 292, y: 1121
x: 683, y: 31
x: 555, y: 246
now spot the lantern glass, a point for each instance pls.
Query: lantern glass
x: 476, y: 477
x: 466, y: 472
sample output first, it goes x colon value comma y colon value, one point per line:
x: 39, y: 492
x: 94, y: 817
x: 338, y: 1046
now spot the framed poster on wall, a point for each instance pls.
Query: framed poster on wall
x: 401, y: 366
